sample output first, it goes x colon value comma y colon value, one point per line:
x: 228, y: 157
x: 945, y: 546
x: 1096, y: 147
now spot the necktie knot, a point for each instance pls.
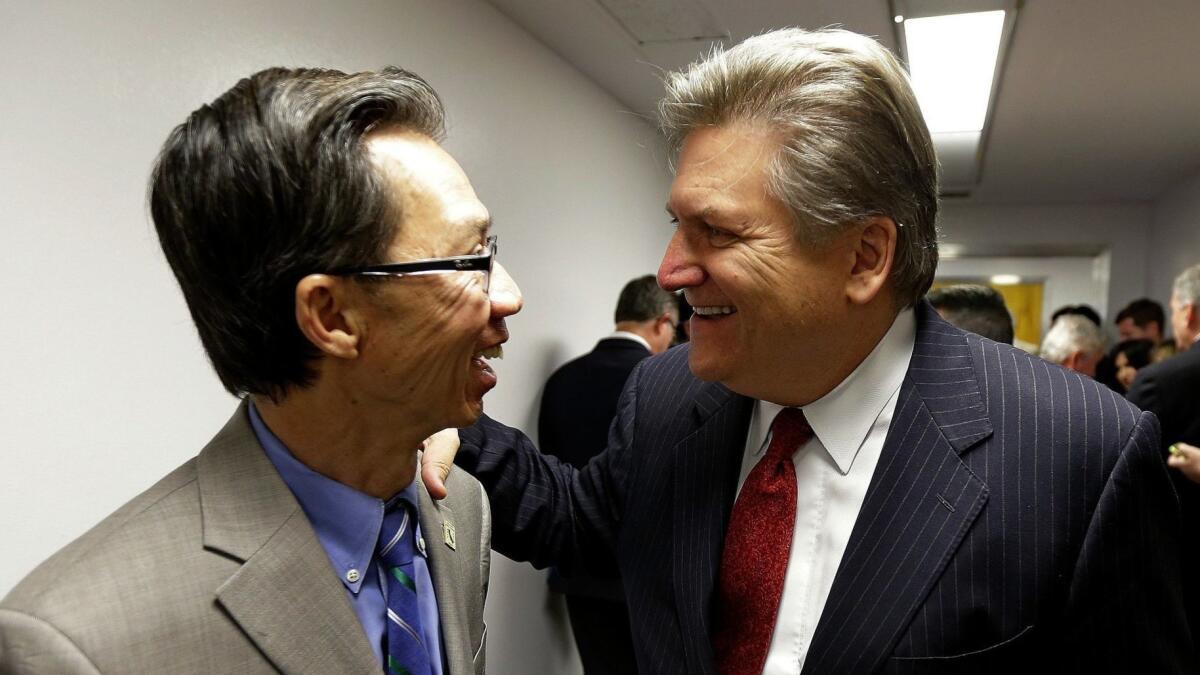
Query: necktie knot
x: 396, y: 536
x: 789, y: 431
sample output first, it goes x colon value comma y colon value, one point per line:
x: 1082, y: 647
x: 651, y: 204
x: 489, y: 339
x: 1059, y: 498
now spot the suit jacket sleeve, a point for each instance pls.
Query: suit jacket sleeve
x: 546, y: 511
x: 1124, y: 610
x: 29, y: 645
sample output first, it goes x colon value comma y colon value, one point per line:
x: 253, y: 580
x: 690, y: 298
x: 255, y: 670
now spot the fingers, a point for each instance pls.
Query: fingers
x: 1185, y: 458
x: 436, y: 461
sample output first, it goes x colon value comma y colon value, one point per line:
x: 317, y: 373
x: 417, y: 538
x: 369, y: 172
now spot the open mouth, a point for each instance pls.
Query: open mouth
x: 713, y: 311
x: 496, y: 351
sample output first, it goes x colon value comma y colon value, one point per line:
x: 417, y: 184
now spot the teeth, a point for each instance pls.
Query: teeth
x: 496, y: 352
x: 715, y: 310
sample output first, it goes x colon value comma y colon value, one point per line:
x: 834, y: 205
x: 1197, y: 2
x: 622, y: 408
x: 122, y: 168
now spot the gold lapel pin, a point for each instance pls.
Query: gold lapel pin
x: 448, y: 535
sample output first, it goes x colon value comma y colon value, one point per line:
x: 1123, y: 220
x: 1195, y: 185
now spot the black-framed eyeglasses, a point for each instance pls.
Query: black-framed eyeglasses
x: 480, y: 262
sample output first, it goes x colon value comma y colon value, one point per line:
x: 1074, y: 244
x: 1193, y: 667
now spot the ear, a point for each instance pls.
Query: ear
x: 322, y: 313
x: 1073, y: 361
x: 873, y: 245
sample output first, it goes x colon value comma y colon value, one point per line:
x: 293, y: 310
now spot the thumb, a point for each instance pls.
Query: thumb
x: 436, y: 461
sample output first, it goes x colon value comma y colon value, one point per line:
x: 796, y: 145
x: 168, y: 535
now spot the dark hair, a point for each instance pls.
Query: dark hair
x: 267, y: 184
x: 974, y: 308
x: 1085, y: 311
x: 642, y: 299
x: 1137, y: 352
x: 1143, y: 311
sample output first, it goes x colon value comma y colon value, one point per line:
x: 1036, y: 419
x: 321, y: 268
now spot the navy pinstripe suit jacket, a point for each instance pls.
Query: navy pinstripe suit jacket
x: 1020, y: 516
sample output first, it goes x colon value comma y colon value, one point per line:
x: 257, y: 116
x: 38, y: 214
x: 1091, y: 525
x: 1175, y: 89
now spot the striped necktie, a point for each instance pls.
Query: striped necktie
x: 405, y: 652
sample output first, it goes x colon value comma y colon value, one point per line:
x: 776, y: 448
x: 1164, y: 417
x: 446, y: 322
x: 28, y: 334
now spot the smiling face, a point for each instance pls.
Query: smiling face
x: 425, y: 335
x: 1125, y: 371
x: 767, y: 308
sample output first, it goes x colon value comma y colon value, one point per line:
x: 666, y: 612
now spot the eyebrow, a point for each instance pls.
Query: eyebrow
x: 705, y: 214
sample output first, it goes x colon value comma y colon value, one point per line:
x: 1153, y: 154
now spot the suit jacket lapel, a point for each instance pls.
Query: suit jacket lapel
x: 918, y: 508
x: 706, y: 468
x: 285, y: 596
x: 437, y: 529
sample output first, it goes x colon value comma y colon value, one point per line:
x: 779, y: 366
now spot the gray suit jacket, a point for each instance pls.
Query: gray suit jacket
x: 216, y: 569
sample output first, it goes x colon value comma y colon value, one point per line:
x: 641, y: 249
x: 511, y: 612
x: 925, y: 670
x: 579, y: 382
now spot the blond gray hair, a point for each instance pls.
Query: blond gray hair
x: 1071, y: 333
x: 1187, y: 286
x: 854, y: 142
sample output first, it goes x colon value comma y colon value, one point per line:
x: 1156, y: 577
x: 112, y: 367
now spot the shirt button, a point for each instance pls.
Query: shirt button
x: 421, y: 545
x: 353, y: 576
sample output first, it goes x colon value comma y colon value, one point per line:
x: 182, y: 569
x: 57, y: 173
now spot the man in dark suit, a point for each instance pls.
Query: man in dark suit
x: 1171, y: 390
x: 830, y: 478
x: 578, y: 405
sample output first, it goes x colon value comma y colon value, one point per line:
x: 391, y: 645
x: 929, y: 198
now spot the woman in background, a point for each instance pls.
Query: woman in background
x: 1130, y: 356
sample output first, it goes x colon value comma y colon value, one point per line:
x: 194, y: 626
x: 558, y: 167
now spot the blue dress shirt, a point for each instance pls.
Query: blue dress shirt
x: 347, y: 524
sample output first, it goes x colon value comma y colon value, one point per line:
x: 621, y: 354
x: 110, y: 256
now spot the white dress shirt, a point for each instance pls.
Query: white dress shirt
x: 833, y: 471
x: 626, y: 335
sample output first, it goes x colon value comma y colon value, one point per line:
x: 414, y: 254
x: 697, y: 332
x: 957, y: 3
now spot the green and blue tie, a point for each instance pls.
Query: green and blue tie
x: 404, y: 650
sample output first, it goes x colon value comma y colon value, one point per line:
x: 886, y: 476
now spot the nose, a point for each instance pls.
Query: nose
x: 678, y: 268
x: 503, y: 293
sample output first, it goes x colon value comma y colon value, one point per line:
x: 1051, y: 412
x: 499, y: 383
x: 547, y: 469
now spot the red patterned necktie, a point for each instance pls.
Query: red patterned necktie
x: 757, y: 545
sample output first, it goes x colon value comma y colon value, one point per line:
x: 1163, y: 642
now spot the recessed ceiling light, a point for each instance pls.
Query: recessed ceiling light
x: 952, y: 59
x: 899, y: 18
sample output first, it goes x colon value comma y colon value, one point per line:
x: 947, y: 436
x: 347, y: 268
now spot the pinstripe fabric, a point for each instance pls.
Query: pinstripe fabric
x: 1020, y: 516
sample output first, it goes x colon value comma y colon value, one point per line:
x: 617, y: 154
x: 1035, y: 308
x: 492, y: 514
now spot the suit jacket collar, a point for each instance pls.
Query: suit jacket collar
x: 920, y: 504
x: 285, y: 596
x: 616, y: 343
x: 447, y: 558
x: 706, y: 470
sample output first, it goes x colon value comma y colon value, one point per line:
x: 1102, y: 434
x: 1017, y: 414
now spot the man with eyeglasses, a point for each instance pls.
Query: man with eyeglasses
x: 343, y: 279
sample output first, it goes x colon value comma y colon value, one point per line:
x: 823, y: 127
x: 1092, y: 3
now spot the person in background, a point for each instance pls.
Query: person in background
x: 1186, y: 458
x: 1129, y: 357
x: 974, y: 308
x: 1163, y: 351
x: 1141, y: 319
x: 1171, y: 390
x: 1074, y: 342
x: 578, y: 405
x: 1079, y: 310
x: 343, y: 280
x: 829, y: 478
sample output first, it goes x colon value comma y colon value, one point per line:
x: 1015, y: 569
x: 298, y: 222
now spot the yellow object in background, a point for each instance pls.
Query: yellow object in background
x: 1024, y: 302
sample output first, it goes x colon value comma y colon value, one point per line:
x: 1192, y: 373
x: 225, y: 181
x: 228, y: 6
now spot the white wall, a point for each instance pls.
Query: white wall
x: 1175, y: 237
x: 108, y: 388
x: 1121, y: 229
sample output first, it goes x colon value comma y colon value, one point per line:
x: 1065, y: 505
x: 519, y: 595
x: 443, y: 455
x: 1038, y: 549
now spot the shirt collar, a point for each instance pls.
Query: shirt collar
x: 346, y: 521
x: 626, y: 335
x: 842, y: 418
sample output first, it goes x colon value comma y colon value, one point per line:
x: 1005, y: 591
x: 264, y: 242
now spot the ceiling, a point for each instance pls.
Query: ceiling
x: 1099, y: 100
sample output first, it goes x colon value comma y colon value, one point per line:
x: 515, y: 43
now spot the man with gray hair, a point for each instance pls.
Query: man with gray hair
x: 578, y: 405
x: 830, y: 478
x: 1074, y: 342
x: 1171, y: 390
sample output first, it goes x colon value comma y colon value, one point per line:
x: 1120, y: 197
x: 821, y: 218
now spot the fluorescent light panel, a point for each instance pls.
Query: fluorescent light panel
x: 952, y: 60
